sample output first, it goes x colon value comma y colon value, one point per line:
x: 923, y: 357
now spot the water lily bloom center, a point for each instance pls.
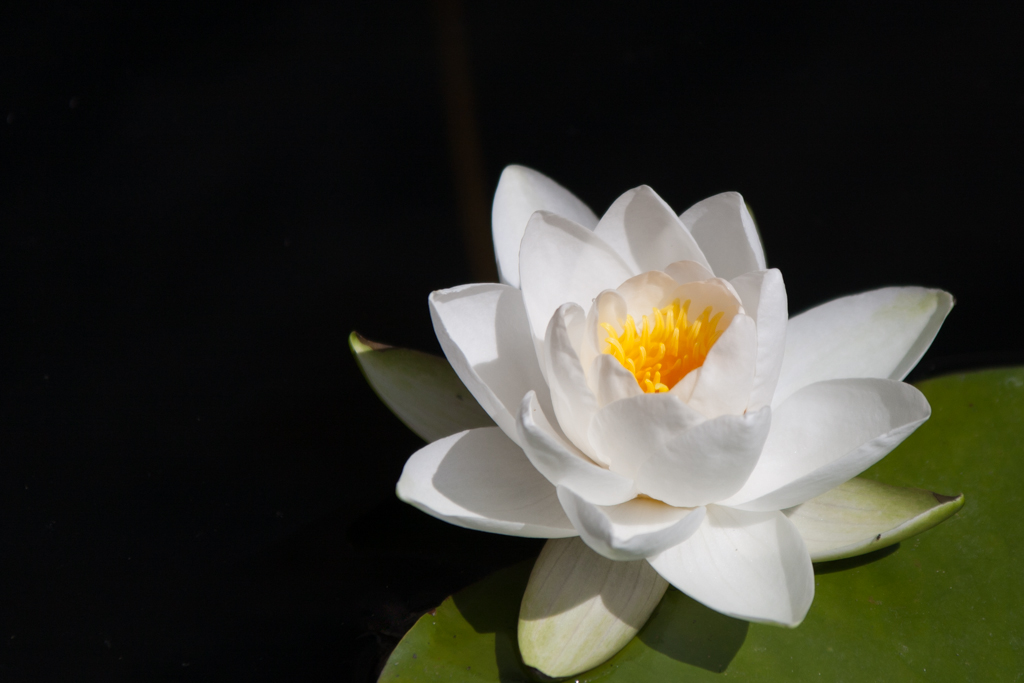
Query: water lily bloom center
x: 661, y: 354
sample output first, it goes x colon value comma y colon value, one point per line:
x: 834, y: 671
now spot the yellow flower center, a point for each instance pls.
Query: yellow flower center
x: 661, y: 355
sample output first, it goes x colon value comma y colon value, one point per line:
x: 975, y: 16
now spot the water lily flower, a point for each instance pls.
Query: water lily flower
x: 652, y: 396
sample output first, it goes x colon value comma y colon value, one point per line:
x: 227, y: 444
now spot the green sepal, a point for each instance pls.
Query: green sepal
x: 421, y: 389
x: 862, y: 516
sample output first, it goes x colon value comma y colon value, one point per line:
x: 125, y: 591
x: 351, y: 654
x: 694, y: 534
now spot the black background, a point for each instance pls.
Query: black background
x: 200, y: 200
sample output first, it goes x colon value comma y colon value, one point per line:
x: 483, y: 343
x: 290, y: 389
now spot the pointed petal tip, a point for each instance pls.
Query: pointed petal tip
x: 521, y: 191
x: 795, y: 623
x: 524, y: 173
x: 750, y: 566
x: 788, y: 624
x: 726, y: 233
x: 360, y: 344
x: 357, y: 343
x: 946, y: 508
x: 958, y: 499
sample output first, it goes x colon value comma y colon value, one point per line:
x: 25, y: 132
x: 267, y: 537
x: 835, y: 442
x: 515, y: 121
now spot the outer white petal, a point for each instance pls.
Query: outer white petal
x: 563, y: 262
x: 727, y: 376
x: 826, y: 434
x: 633, y: 530
x: 726, y: 233
x: 521, y: 191
x: 574, y: 403
x: 628, y: 432
x: 565, y: 465
x: 707, y: 462
x: 763, y: 294
x: 479, y: 479
x: 646, y: 233
x: 485, y: 335
x: 881, y: 333
x: 749, y: 565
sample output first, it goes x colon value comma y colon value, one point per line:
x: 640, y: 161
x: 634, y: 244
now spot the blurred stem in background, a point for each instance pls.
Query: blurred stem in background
x: 464, y: 141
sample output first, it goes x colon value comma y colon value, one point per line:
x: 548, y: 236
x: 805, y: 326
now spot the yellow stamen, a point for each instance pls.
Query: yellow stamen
x: 658, y: 356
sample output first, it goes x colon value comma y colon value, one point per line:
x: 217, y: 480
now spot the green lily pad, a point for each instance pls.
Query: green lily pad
x: 420, y: 388
x: 943, y: 605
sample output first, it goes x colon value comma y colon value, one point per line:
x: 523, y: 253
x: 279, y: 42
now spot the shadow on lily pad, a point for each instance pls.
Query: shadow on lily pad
x: 689, y: 632
x: 854, y: 562
x: 680, y: 627
x: 492, y: 606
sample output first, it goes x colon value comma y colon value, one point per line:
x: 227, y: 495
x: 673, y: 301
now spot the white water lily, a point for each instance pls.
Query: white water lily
x: 652, y: 397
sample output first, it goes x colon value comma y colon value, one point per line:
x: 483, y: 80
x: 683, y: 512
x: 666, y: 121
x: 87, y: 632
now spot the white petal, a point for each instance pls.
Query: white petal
x: 646, y: 233
x: 881, y: 333
x: 763, y: 294
x: 683, y: 390
x: 479, y: 479
x: 727, y: 376
x: 688, y: 271
x: 609, y: 306
x: 708, y: 462
x: 717, y: 293
x: 521, y: 191
x: 628, y: 432
x: 565, y: 465
x: 726, y: 233
x: 573, y: 401
x: 580, y: 609
x: 563, y: 262
x: 645, y: 292
x: 826, y: 434
x: 748, y: 565
x: 484, y: 333
x: 610, y: 381
x: 632, y: 530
